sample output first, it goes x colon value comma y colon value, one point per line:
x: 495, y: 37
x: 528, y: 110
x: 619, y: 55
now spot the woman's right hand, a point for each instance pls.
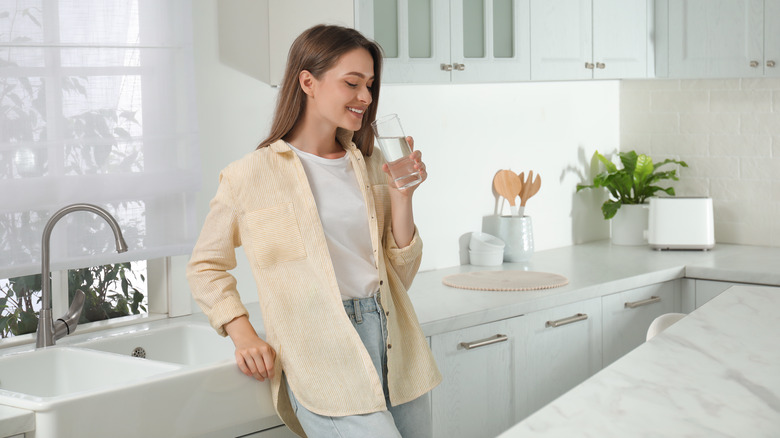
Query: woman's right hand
x: 254, y: 356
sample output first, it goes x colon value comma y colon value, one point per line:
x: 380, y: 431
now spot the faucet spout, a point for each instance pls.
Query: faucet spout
x: 48, y: 330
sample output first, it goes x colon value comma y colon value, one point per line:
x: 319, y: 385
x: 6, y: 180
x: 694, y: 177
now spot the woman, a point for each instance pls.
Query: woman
x: 333, y: 250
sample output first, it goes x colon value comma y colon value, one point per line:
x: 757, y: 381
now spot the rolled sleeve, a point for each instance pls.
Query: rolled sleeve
x: 404, y: 261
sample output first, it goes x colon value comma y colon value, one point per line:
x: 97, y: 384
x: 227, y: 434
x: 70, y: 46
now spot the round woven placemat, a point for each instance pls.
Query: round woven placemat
x: 505, y: 280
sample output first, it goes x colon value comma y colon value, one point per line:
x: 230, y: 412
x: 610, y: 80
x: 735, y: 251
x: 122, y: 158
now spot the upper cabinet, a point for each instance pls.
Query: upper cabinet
x: 718, y: 38
x: 590, y: 39
x: 255, y: 35
x: 440, y: 41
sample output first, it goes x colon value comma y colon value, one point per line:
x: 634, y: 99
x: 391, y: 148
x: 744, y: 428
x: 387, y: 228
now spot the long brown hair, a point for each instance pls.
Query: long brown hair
x: 317, y: 50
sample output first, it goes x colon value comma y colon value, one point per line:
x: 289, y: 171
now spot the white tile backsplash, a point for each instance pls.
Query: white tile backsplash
x: 728, y: 131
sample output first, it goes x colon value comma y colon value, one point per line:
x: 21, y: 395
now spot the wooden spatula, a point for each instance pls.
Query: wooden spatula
x: 530, y: 188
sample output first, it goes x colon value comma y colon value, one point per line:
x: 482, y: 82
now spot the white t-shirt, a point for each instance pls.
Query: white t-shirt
x: 344, y: 218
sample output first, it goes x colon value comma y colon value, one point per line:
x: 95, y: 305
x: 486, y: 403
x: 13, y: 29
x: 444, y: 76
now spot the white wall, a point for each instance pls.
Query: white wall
x: 728, y: 131
x: 466, y: 134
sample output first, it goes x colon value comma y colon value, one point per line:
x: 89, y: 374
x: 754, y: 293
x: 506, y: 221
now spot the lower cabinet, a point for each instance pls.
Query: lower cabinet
x: 498, y: 373
x: 709, y: 289
x: 561, y: 349
x: 477, y: 397
x: 627, y: 316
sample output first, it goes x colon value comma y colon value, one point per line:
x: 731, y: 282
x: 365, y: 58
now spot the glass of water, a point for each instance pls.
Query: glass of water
x: 395, y: 149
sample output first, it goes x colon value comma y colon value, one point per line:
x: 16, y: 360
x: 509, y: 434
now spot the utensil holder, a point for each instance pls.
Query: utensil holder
x: 515, y: 231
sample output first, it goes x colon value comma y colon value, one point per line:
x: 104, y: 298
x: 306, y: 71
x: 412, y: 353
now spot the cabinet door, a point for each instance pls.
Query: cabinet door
x: 772, y: 38
x: 562, y: 349
x: 414, y: 35
x: 627, y: 316
x: 621, y: 38
x: 561, y: 39
x: 715, y: 38
x: 490, y: 40
x: 707, y: 290
x: 475, y: 399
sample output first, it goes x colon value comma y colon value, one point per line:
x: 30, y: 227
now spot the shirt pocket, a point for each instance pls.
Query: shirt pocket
x: 274, y: 235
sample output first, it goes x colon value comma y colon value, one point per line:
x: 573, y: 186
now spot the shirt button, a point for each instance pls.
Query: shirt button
x: 381, y: 282
x: 387, y: 313
x: 389, y: 346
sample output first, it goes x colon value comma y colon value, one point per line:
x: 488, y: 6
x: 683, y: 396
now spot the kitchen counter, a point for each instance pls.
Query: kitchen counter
x: 14, y: 421
x: 713, y: 373
x: 594, y: 270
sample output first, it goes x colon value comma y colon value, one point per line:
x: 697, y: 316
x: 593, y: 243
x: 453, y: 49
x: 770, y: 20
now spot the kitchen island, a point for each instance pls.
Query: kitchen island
x: 714, y: 373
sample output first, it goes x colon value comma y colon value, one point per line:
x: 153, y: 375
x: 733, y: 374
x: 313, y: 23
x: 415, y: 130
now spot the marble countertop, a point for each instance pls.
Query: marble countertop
x: 593, y: 269
x: 15, y: 421
x: 714, y: 373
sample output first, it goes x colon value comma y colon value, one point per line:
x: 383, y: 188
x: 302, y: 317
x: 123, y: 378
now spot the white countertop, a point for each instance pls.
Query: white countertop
x: 715, y: 373
x: 15, y: 421
x: 593, y: 269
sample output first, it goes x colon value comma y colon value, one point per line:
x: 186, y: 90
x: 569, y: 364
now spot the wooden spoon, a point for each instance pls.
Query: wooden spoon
x: 508, y: 185
x: 496, y: 210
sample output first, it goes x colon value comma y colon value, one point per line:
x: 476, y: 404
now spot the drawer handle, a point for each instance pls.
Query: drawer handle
x: 569, y: 320
x: 650, y: 300
x: 483, y: 342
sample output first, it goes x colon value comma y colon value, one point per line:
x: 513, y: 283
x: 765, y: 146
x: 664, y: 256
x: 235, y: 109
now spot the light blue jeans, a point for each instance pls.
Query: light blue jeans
x: 409, y: 420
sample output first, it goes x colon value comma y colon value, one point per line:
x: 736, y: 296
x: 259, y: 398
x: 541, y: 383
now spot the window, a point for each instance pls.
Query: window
x: 96, y: 107
x: 112, y: 291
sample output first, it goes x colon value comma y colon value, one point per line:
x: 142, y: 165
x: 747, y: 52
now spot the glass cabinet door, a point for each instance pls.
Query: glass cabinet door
x: 414, y: 35
x: 490, y: 40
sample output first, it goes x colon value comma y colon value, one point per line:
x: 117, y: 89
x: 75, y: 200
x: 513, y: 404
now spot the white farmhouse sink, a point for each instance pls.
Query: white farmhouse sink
x: 57, y: 372
x: 186, y: 344
x: 188, y: 385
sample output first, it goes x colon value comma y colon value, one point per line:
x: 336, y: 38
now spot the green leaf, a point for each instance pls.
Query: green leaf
x: 670, y: 161
x: 644, y: 168
x: 27, y: 323
x: 609, y: 208
x: 608, y: 164
x: 629, y: 161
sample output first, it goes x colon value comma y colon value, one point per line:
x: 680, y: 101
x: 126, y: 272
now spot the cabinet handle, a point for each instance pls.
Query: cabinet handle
x: 600, y: 65
x: 482, y: 342
x: 459, y: 67
x: 569, y: 320
x: 589, y: 65
x: 446, y: 67
x: 650, y: 300
x: 754, y: 64
x: 770, y: 63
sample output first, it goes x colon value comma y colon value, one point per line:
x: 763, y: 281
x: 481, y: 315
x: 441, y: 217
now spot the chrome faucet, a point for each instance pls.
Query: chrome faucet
x: 48, y: 330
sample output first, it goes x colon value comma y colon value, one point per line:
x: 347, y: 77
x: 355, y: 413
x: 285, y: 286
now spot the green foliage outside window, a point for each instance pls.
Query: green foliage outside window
x: 112, y: 291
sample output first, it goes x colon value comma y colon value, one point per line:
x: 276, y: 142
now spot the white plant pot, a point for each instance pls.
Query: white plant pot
x: 629, y: 226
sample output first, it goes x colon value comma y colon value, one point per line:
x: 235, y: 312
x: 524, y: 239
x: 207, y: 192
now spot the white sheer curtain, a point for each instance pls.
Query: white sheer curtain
x: 96, y: 106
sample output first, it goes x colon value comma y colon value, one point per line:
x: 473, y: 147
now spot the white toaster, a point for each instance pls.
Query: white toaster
x: 681, y: 223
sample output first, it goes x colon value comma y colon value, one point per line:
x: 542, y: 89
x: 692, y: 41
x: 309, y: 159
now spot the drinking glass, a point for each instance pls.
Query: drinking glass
x: 395, y: 149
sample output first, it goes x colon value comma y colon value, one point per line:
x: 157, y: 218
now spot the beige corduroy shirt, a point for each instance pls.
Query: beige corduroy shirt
x: 264, y: 203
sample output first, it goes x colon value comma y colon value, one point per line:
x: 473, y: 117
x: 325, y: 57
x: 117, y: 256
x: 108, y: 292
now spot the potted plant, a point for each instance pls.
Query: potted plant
x: 629, y: 189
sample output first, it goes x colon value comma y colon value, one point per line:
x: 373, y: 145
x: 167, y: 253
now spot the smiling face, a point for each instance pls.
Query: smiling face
x: 340, y: 97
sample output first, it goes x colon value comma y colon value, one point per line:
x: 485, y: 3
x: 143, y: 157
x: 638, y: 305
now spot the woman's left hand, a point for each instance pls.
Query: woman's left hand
x: 416, y: 156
